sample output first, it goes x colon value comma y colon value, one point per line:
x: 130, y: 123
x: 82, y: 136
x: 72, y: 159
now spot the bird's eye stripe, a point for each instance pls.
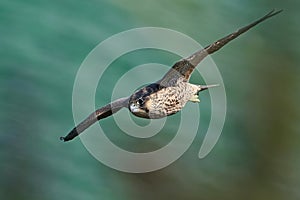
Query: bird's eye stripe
x: 140, y: 101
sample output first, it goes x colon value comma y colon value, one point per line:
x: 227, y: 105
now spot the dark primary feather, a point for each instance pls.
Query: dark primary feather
x: 185, y: 67
x: 101, y: 113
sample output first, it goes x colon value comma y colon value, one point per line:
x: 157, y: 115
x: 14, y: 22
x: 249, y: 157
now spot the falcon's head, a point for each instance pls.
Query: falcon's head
x: 140, y: 100
x: 138, y: 107
x: 137, y: 103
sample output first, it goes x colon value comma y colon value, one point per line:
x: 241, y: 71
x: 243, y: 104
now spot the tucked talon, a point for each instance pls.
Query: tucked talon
x: 195, y: 99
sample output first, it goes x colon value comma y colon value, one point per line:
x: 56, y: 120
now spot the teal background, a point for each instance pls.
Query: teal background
x: 42, y: 44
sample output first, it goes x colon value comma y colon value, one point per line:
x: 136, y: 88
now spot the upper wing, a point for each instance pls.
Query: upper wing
x: 101, y: 113
x: 185, y: 67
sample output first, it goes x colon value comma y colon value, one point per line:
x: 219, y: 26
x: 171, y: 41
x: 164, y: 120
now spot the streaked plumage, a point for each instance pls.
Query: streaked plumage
x: 168, y: 95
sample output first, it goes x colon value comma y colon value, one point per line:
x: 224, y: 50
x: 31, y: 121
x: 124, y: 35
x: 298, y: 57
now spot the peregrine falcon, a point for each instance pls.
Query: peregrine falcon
x: 168, y: 95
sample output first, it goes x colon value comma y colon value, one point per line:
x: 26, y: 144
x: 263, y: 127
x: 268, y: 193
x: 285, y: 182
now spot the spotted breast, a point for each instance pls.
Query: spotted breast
x: 170, y: 100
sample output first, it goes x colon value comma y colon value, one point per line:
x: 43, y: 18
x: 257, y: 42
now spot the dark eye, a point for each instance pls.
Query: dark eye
x: 140, y: 101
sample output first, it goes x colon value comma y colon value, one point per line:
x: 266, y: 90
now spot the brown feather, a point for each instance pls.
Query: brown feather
x: 185, y: 67
x: 100, y: 113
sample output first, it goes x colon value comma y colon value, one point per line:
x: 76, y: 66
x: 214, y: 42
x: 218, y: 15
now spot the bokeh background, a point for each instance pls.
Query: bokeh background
x: 42, y: 44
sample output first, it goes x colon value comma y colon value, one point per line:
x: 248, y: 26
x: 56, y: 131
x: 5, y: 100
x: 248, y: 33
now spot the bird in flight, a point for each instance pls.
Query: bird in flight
x: 168, y: 95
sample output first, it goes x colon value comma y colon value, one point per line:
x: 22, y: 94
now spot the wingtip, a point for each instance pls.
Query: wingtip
x: 62, y: 139
x: 274, y: 12
x: 72, y: 134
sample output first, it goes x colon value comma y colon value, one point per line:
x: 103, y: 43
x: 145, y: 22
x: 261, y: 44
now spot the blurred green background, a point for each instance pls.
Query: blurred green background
x: 42, y: 44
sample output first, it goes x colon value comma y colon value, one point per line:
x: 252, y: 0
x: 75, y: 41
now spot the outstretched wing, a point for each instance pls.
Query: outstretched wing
x: 101, y: 113
x: 185, y: 67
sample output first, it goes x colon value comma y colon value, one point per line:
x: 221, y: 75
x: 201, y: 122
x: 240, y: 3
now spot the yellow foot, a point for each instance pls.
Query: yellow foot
x: 195, y: 99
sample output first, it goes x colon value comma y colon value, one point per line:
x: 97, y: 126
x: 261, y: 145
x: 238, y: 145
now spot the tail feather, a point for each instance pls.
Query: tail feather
x: 205, y: 87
